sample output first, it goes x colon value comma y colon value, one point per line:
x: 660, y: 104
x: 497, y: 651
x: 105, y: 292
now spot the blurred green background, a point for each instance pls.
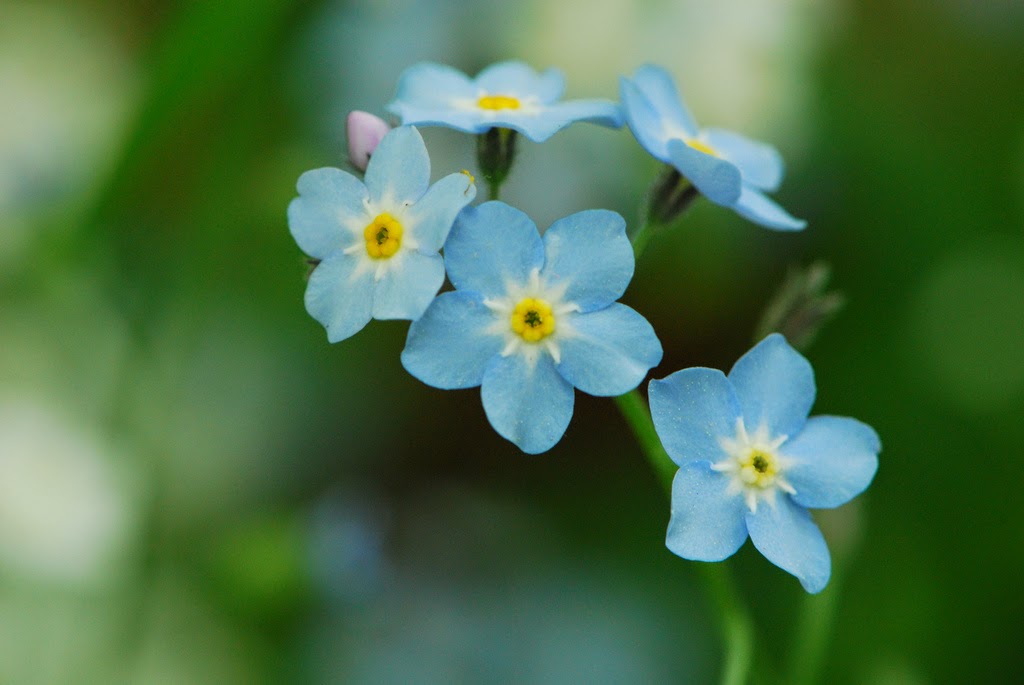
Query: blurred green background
x: 195, y: 487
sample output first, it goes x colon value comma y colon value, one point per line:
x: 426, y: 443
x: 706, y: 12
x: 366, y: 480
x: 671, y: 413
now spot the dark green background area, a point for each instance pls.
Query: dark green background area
x: 306, y: 512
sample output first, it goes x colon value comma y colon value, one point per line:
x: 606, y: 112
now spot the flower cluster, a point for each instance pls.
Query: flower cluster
x: 533, y: 316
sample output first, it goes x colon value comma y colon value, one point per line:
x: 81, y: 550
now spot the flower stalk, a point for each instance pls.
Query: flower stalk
x: 495, y: 153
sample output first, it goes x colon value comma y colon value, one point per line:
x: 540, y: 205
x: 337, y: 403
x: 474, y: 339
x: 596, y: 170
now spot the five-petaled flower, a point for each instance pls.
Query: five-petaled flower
x: 532, y: 318
x: 378, y: 243
x: 504, y: 95
x: 751, y: 462
x: 729, y: 169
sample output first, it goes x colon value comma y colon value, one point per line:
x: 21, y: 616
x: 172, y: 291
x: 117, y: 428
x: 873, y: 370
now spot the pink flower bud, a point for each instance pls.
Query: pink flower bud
x: 364, y: 134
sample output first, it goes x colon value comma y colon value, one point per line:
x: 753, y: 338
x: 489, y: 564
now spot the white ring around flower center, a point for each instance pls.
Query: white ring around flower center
x: 754, y: 465
x: 534, y: 287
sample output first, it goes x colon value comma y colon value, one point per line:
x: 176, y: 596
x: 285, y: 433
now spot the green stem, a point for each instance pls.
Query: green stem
x: 634, y: 409
x: 735, y: 623
x: 642, y: 237
x: 493, y: 189
x: 813, y: 630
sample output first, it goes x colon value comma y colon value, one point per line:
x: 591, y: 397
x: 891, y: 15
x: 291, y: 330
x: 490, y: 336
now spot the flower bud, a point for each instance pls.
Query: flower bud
x: 365, y: 132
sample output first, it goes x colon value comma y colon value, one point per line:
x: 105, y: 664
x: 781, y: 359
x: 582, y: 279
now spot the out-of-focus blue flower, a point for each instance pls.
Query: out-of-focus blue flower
x: 504, y: 95
x: 532, y: 318
x: 751, y: 462
x: 729, y: 169
x: 377, y: 243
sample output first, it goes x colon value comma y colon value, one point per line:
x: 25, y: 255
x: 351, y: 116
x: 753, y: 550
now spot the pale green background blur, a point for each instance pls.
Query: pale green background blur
x: 195, y: 487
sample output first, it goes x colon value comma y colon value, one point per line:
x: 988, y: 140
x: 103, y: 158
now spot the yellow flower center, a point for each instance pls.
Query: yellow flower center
x: 383, y: 236
x: 532, y: 319
x: 759, y: 469
x: 496, y: 102
x: 701, y: 146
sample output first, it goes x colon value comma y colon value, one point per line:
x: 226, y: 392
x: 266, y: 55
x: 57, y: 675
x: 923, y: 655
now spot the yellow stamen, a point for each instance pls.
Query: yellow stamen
x: 759, y: 469
x: 383, y: 236
x: 701, y: 146
x: 497, y: 102
x: 472, y: 178
x: 532, y: 319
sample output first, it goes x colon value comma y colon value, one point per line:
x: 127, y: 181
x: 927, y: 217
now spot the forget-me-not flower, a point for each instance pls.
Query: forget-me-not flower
x: 531, y: 318
x: 729, y: 169
x: 378, y: 243
x: 505, y: 95
x: 751, y: 462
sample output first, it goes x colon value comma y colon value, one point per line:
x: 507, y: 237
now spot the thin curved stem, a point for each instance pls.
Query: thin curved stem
x: 735, y: 624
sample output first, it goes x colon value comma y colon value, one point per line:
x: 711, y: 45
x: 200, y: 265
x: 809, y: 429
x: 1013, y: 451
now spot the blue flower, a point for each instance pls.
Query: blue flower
x: 377, y: 243
x: 532, y: 318
x: 751, y: 462
x: 504, y: 95
x: 729, y: 169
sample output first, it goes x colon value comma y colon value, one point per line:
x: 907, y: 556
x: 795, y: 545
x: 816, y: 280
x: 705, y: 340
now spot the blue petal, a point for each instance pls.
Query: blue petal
x: 643, y: 120
x: 608, y: 352
x: 692, y: 409
x: 753, y: 205
x: 431, y: 86
x: 775, y: 386
x: 467, y: 121
x: 399, y: 169
x: 315, y: 218
x: 340, y: 295
x: 519, y: 79
x: 760, y: 164
x: 553, y: 118
x: 490, y: 246
x: 719, y: 180
x: 707, y: 522
x: 787, y: 536
x: 659, y: 88
x: 589, y: 254
x: 430, y: 220
x: 835, y: 459
x: 449, y: 346
x: 411, y: 282
x: 528, y: 404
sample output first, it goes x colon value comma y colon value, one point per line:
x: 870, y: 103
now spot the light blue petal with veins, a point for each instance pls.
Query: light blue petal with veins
x: 340, y: 296
x: 449, y: 347
x: 609, y: 351
x: 643, y: 120
x: 518, y: 79
x: 775, y: 386
x: 430, y: 220
x: 326, y: 197
x: 407, y: 288
x: 760, y: 164
x: 835, y: 458
x: 491, y: 245
x: 692, y: 409
x: 589, y: 254
x: 530, y: 405
x: 755, y: 206
x: 659, y: 88
x: 717, y: 179
x: 788, y: 537
x: 707, y: 521
x: 399, y: 169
